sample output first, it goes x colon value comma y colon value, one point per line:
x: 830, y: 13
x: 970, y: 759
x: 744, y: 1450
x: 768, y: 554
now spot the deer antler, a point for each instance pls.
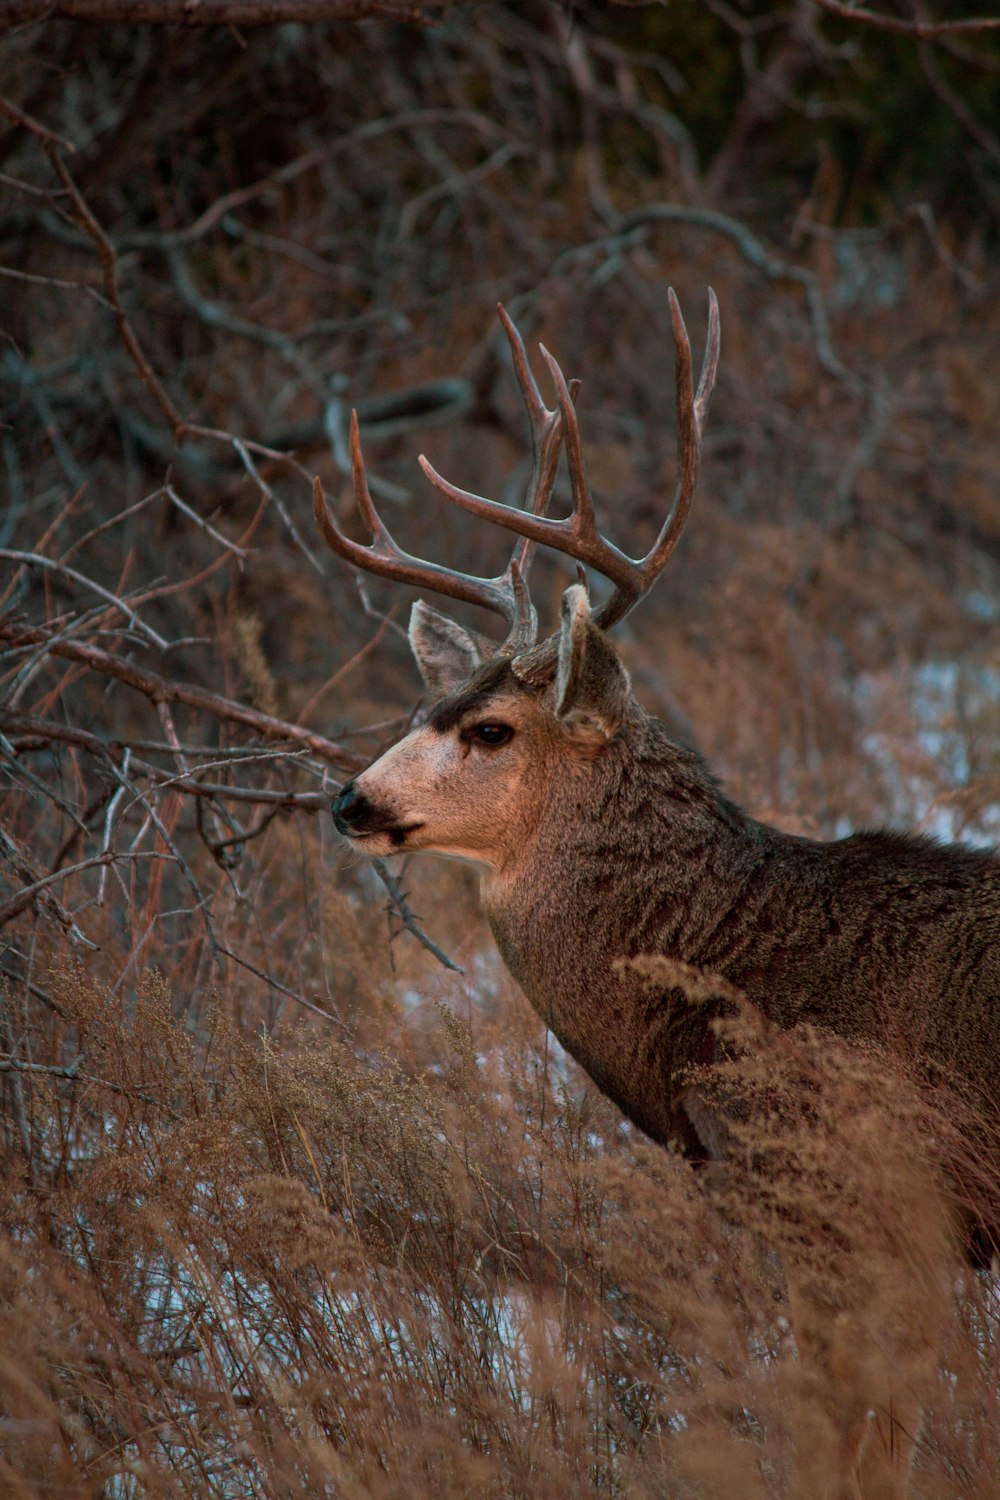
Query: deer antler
x: 576, y: 534
x: 506, y: 595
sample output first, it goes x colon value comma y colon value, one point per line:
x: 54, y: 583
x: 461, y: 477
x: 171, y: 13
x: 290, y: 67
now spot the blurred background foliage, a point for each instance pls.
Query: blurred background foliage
x: 214, y: 241
x: 882, y: 109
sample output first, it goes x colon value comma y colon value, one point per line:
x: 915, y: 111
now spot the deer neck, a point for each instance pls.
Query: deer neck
x: 643, y: 856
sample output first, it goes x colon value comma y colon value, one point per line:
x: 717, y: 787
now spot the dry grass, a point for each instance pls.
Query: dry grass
x: 243, y: 1265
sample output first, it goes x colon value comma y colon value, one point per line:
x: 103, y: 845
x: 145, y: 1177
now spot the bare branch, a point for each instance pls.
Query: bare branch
x: 774, y: 267
x: 70, y: 1071
x: 260, y: 796
x: 19, y: 1065
x: 26, y: 869
x: 106, y: 251
x: 20, y: 117
x: 25, y: 897
x: 898, y: 26
x: 411, y: 119
x: 956, y: 103
x: 282, y: 989
x: 162, y: 689
x: 35, y: 560
x: 216, y: 12
x: 187, y: 510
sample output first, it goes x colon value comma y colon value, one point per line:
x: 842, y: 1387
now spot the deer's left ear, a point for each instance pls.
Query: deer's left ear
x: 592, y: 686
x: 446, y: 654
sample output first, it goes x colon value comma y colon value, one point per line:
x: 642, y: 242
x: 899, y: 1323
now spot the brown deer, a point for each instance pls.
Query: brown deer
x: 601, y: 840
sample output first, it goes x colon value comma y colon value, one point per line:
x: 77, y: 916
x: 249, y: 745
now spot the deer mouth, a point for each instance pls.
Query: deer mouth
x: 396, y: 833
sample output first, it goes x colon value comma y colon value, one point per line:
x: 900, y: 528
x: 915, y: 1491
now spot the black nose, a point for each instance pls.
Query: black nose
x: 350, y: 808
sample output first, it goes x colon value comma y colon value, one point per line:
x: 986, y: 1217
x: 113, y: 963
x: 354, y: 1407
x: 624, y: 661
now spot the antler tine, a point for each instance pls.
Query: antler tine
x: 692, y: 409
x: 582, y: 525
x: 545, y: 438
x: 505, y: 596
x: 710, y: 361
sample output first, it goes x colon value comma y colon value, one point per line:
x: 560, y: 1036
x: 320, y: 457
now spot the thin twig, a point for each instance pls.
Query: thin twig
x: 900, y: 27
x: 349, y: 666
x: 72, y: 1072
x: 300, y: 801
x: 115, y: 520
x: 206, y: 526
x: 243, y: 449
x: 24, y: 866
x: 460, y: 119
x: 409, y: 921
x: 106, y: 251
x: 35, y: 560
x: 955, y: 101
x: 924, y: 214
x: 25, y: 897
x: 109, y: 824
x: 45, y: 135
x: 756, y: 253
x: 201, y: 902
x: 281, y: 988
x: 30, y: 733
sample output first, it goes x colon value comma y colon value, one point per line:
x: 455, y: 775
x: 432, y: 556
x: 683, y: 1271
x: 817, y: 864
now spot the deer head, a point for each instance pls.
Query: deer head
x: 472, y: 779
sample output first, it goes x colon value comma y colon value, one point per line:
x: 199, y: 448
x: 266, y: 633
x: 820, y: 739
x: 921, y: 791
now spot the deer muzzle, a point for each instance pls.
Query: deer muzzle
x: 352, y: 811
x: 357, y: 817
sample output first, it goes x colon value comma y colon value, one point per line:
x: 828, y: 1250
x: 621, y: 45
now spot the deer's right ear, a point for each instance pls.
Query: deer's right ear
x: 446, y: 654
x: 592, y: 686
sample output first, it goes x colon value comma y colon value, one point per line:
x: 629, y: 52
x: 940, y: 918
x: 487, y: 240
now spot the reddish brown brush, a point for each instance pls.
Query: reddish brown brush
x: 239, y: 1270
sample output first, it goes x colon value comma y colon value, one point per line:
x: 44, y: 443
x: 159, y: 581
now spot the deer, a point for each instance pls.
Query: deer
x: 601, y: 839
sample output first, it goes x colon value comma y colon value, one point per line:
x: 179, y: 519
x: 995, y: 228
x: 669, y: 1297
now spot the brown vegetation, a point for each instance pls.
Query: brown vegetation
x: 289, y: 1208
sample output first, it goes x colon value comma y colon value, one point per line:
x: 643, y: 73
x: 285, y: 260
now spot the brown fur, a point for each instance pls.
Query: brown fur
x: 879, y: 937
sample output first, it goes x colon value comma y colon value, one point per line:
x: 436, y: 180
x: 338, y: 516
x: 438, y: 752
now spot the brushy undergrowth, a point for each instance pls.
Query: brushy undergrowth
x: 235, y: 1267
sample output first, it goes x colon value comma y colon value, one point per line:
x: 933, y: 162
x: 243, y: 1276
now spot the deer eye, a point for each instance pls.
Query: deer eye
x: 489, y: 734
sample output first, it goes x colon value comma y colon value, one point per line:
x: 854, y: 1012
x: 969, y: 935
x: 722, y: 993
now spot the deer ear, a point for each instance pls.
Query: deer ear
x: 592, y: 686
x: 446, y: 654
